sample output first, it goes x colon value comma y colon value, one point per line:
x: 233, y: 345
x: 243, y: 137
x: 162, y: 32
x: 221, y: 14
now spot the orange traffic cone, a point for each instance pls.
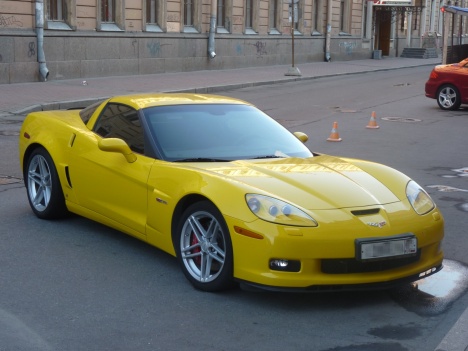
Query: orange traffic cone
x: 334, y: 136
x: 373, y: 122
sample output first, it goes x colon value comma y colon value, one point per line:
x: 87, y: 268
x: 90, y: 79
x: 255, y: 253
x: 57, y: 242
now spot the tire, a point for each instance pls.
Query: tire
x: 204, y: 249
x: 43, y: 187
x: 448, y: 97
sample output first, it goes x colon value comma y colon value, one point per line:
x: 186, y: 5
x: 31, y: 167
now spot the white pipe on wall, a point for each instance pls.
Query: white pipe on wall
x: 43, y: 71
x: 211, y: 37
x: 329, y: 28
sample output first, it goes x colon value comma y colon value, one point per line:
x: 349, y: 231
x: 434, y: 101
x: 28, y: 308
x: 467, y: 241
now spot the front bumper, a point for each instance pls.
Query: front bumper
x: 333, y: 244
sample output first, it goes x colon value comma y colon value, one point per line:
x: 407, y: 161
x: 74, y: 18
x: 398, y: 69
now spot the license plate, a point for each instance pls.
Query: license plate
x: 392, y: 247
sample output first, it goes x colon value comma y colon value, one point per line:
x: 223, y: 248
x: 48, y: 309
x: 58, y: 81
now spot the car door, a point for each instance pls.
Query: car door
x: 106, y: 183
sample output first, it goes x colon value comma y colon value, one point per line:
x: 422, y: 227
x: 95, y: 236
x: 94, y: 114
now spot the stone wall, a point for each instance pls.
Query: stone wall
x: 111, y: 54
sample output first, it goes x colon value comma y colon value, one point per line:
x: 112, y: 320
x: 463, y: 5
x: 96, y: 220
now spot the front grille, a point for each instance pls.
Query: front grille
x: 351, y: 265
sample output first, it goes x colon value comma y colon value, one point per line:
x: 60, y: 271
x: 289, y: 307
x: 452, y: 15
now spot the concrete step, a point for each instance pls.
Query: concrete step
x: 423, y: 53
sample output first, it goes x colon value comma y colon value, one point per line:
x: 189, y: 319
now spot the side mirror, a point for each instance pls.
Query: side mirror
x: 119, y: 146
x: 301, y: 136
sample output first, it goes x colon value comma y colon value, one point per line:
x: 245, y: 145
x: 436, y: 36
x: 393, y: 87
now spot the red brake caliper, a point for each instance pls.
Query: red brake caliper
x: 194, y: 241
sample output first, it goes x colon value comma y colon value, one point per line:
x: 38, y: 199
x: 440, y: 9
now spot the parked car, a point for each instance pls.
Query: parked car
x: 231, y: 193
x: 448, y: 84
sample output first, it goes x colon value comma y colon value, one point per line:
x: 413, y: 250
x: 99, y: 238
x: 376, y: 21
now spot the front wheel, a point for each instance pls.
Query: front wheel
x: 204, y: 247
x: 43, y: 186
x: 448, y: 97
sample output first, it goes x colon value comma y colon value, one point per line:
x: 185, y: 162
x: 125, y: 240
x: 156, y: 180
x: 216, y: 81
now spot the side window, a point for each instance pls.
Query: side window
x: 121, y: 121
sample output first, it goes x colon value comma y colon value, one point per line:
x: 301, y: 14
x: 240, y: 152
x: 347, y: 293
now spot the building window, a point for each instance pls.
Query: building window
x: 317, y: 17
x: 273, y: 13
x: 107, y: 11
x: 152, y: 11
x: 250, y: 16
x: 221, y: 14
x: 111, y: 15
x: 56, y: 10
x: 152, y: 14
x: 365, y: 19
x: 190, y: 15
x: 345, y: 16
x: 295, y: 22
x: 188, y: 12
x: 59, y: 14
x: 315, y: 14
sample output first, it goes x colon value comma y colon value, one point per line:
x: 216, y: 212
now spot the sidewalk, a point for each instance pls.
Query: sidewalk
x: 22, y: 98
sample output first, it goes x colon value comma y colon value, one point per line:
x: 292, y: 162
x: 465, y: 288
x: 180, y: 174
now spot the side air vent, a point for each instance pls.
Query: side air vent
x: 371, y: 211
x: 67, y: 173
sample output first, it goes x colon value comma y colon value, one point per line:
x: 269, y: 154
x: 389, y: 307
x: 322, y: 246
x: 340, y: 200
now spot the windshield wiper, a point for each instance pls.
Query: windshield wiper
x: 201, y: 159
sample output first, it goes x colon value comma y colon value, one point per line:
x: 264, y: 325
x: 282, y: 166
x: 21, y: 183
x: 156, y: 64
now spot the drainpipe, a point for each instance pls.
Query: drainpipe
x: 43, y: 71
x: 329, y: 27
x: 369, y: 22
x: 211, y: 38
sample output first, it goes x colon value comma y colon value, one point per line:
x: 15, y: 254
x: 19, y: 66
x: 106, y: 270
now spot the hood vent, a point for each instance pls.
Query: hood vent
x: 371, y: 211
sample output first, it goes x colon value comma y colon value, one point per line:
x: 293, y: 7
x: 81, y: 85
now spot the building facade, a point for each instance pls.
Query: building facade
x: 66, y: 39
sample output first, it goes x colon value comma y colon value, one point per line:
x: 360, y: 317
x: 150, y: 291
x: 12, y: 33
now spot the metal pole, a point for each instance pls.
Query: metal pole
x: 292, y: 32
x: 292, y: 71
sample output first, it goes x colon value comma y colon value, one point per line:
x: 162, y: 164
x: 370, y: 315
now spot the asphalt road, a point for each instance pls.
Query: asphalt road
x: 76, y: 285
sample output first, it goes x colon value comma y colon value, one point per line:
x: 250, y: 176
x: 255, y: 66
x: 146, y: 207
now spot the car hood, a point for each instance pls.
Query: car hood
x: 316, y: 183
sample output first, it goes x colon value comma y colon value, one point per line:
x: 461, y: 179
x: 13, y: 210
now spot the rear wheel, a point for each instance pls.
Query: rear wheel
x: 204, y: 248
x: 45, y: 194
x: 448, y: 97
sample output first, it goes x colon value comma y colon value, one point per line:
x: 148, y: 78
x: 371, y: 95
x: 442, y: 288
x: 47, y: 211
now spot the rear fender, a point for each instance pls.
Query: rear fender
x: 56, y: 139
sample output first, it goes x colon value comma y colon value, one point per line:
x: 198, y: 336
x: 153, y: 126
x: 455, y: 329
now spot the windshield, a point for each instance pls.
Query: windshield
x: 216, y: 132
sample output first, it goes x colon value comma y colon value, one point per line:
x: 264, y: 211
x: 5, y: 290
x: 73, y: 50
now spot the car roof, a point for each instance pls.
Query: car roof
x: 141, y: 101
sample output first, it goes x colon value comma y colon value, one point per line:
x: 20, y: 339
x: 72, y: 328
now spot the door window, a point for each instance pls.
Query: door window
x: 121, y: 121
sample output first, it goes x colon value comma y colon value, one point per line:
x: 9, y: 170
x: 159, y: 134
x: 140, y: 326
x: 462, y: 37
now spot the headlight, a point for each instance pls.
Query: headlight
x: 277, y: 211
x: 418, y: 198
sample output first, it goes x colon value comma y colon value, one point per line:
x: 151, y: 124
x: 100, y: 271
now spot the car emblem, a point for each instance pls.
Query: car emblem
x: 377, y: 224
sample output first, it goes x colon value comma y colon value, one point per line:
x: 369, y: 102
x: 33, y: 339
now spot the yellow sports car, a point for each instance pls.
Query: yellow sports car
x: 231, y: 193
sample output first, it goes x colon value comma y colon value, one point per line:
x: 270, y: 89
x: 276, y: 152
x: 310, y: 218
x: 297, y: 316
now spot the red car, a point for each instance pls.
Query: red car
x: 449, y: 85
